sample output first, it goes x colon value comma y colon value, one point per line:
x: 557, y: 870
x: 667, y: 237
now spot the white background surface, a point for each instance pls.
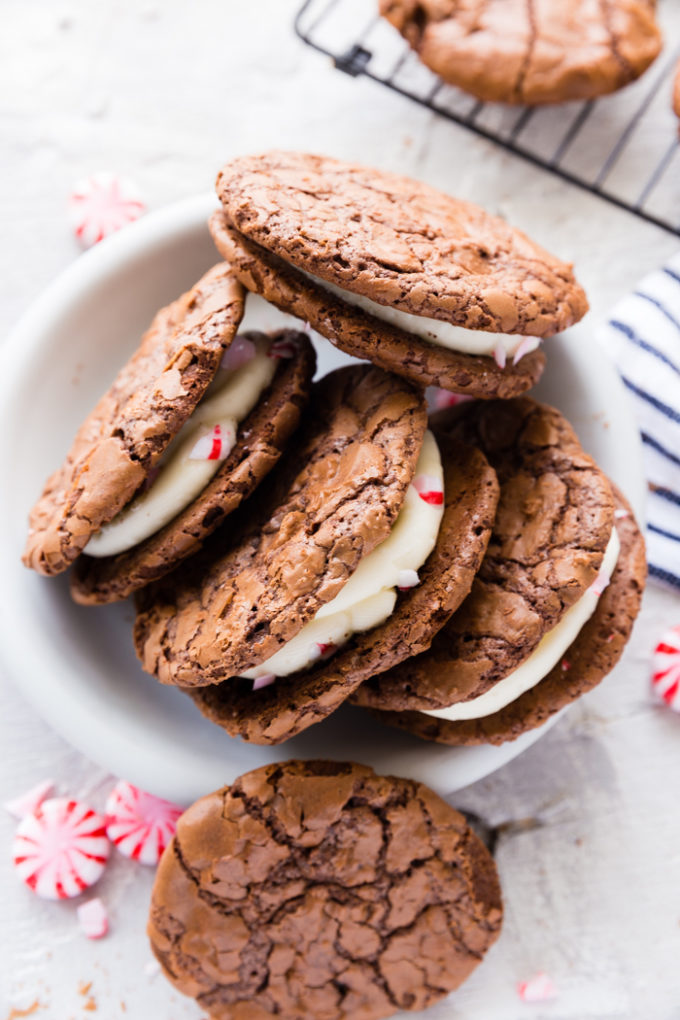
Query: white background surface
x: 164, y: 93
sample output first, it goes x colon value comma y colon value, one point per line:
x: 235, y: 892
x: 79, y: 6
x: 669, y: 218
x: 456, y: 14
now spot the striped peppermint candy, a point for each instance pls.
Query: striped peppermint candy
x: 102, y: 204
x: 61, y: 849
x: 139, y: 824
x: 666, y: 669
x: 215, y: 445
x: 429, y: 488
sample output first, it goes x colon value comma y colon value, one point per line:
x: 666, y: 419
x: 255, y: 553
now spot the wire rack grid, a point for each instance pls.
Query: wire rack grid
x: 624, y: 147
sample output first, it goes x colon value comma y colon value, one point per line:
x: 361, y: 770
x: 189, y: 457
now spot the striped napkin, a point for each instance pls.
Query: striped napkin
x: 643, y: 337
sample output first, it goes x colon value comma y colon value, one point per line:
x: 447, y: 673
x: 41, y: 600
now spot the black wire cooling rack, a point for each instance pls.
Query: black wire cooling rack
x: 624, y: 147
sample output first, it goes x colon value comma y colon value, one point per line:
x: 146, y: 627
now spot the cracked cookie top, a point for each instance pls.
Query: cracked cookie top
x: 312, y: 889
x: 399, y: 242
x: 554, y: 520
x: 122, y: 439
x: 531, y: 51
x: 335, y: 496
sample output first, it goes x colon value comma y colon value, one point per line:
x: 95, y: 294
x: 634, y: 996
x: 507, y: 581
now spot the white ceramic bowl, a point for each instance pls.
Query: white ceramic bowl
x: 76, y: 665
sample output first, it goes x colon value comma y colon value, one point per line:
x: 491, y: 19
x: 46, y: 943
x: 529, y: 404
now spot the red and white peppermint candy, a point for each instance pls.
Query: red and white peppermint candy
x: 429, y: 488
x: 538, y: 988
x: 266, y: 680
x: 283, y: 349
x: 27, y: 803
x: 61, y: 849
x: 666, y: 669
x: 239, y: 352
x: 215, y: 445
x: 93, y: 919
x: 139, y: 824
x: 102, y: 204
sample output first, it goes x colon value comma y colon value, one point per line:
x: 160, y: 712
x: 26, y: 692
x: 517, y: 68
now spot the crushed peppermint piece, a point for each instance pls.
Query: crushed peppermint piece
x: 26, y: 804
x: 429, y: 489
x: 266, y: 680
x: 283, y: 349
x: 138, y: 824
x: 525, y: 346
x: 500, y: 355
x: 239, y: 352
x: 538, y: 988
x: 215, y: 445
x: 407, y: 579
x: 93, y: 919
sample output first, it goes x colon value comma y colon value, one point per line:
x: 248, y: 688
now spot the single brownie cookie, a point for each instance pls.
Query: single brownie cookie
x: 318, y: 889
x: 392, y: 270
x: 332, y: 500
x: 260, y: 441
x: 594, y: 653
x: 121, y: 441
x: 292, y: 703
x: 552, y: 528
x: 541, y: 51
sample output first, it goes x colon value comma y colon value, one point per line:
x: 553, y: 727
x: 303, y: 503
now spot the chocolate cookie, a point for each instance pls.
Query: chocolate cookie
x: 261, y: 439
x: 552, y: 527
x: 292, y: 703
x: 332, y: 500
x: 587, y: 661
x: 321, y: 238
x: 543, y: 51
x: 318, y: 889
x: 125, y: 435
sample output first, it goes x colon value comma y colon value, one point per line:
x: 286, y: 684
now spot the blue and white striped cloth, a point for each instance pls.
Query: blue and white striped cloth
x: 643, y: 337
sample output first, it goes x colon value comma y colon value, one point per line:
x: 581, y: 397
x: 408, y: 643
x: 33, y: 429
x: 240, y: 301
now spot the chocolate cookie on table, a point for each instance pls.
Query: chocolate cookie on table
x: 120, y: 442
x: 365, y: 540
x: 229, y: 444
x: 512, y: 51
x: 318, y: 889
x: 541, y: 624
x: 394, y: 271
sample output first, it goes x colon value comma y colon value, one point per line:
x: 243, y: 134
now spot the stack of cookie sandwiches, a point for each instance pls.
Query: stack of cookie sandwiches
x: 462, y: 578
x: 191, y: 425
x: 361, y: 545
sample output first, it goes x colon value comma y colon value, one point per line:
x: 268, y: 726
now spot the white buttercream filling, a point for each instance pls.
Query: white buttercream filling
x: 437, y: 332
x: 195, y: 454
x: 369, y: 596
x: 545, y: 656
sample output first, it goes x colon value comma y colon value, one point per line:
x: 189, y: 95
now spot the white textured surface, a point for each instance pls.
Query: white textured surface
x: 164, y: 93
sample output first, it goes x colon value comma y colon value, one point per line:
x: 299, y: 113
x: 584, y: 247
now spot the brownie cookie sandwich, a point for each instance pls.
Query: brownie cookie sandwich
x: 554, y: 601
x: 192, y: 423
x: 318, y: 889
x: 393, y: 271
x: 511, y: 51
x: 364, y: 541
